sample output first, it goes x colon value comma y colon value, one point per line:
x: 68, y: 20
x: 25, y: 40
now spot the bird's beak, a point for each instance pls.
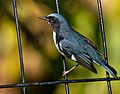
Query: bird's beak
x: 44, y: 18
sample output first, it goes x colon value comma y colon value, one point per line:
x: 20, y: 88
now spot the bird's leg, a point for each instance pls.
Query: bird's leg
x: 66, y: 72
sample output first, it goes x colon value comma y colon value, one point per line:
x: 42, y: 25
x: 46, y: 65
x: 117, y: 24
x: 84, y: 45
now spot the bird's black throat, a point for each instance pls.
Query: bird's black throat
x: 56, y: 25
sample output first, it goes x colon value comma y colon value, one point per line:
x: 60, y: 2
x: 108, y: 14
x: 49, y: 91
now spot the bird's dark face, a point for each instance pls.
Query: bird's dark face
x: 53, y: 21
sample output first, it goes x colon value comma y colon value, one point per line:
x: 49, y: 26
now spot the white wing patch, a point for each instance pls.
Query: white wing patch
x: 73, y: 58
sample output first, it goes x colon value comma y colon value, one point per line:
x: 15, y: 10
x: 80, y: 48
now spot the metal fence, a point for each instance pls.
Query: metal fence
x: 66, y: 81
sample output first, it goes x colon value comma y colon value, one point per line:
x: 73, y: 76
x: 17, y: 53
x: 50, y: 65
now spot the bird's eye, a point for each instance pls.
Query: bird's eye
x: 52, y: 19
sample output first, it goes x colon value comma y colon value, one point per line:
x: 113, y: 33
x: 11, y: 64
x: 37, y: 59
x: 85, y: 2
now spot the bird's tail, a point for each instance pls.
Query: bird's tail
x: 110, y: 70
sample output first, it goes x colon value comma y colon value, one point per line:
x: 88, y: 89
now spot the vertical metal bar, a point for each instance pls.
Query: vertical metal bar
x: 57, y: 7
x: 65, y: 77
x: 19, y: 44
x: 63, y: 58
x: 104, y: 42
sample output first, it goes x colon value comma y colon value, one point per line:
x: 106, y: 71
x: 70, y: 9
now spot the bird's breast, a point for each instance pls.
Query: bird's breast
x: 57, y: 42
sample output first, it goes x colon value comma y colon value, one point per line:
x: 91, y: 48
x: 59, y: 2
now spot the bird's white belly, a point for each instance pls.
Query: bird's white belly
x: 54, y: 38
x: 56, y: 44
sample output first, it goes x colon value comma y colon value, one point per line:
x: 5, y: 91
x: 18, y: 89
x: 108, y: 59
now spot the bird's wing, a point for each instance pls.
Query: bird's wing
x: 85, y: 39
x: 81, y: 57
x: 93, y: 45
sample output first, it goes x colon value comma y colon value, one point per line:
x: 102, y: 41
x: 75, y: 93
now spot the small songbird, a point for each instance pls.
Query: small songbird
x: 75, y: 46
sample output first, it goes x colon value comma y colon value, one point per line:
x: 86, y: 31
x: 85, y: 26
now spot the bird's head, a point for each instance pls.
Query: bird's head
x: 55, y: 20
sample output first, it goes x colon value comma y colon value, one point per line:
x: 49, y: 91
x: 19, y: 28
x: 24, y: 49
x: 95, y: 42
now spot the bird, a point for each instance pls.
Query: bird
x: 75, y: 46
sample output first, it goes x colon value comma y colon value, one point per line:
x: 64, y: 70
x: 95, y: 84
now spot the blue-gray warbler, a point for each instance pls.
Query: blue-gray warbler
x: 75, y: 46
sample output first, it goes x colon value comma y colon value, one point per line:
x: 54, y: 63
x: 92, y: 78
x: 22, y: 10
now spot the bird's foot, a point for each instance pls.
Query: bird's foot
x: 66, y: 72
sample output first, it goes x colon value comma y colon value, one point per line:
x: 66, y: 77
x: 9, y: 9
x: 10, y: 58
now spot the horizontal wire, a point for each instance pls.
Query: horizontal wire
x: 57, y: 82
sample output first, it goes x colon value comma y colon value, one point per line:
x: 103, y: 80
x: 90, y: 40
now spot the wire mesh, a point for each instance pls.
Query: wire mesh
x: 104, y: 42
x: 66, y: 81
x: 19, y: 45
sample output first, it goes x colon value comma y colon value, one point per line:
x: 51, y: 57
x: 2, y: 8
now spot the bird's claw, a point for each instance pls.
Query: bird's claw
x: 65, y: 73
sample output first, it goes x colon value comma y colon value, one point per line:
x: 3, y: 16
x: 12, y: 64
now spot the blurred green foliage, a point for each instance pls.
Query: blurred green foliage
x: 41, y: 59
